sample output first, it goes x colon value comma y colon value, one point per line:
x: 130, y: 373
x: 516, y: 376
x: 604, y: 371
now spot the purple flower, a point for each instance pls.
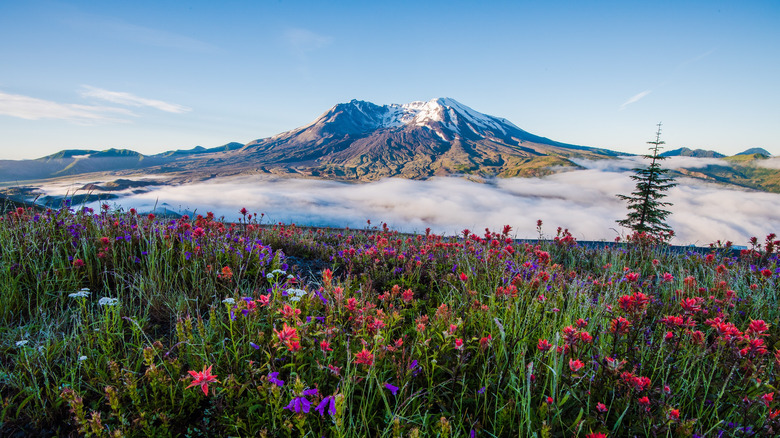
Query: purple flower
x: 393, y: 389
x: 256, y: 347
x: 272, y: 378
x: 308, y: 392
x: 299, y: 404
x: 413, y: 365
x: 328, y: 403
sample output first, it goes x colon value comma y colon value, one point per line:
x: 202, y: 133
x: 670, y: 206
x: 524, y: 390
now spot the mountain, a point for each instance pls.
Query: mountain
x: 364, y: 141
x: 71, y: 162
x: 75, y: 162
x: 754, y: 151
x: 356, y: 140
x: 201, y: 150
x: 697, y: 153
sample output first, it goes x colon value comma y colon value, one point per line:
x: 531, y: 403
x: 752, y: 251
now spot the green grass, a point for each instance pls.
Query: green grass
x: 454, y: 324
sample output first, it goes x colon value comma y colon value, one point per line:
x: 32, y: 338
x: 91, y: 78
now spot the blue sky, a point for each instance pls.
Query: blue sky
x: 155, y: 76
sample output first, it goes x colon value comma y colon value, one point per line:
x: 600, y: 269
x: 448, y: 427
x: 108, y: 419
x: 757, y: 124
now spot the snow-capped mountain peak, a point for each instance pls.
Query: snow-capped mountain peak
x: 446, y: 116
x: 437, y: 121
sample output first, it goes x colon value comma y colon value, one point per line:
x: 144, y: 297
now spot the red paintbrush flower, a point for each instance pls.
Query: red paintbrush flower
x: 758, y: 327
x: 543, y: 345
x: 365, y: 357
x: 619, y: 326
x: 203, y: 379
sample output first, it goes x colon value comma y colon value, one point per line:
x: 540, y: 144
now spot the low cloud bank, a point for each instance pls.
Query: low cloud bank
x: 628, y: 163
x: 583, y: 201
x: 769, y: 163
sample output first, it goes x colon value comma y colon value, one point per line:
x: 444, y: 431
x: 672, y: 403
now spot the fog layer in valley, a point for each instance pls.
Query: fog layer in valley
x: 583, y: 201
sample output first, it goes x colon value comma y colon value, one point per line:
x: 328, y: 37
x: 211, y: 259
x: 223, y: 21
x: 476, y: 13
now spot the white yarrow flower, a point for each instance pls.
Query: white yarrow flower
x: 82, y: 358
x: 83, y: 293
x: 22, y: 342
x: 229, y: 301
x: 106, y: 301
x: 295, y: 294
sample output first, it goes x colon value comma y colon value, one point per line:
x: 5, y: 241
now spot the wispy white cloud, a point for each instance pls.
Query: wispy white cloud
x: 31, y: 108
x: 634, y: 99
x: 128, y: 99
x: 302, y: 41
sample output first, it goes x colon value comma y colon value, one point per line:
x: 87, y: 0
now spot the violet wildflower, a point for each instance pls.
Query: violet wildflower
x: 298, y: 405
x: 392, y: 388
x: 273, y: 379
x: 256, y: 347
x: 328, y: 403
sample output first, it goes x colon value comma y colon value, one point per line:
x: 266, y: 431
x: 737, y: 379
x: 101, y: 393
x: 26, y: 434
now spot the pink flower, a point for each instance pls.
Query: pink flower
x: 758, y: 327
x: 619, y: 326
x: 203, y: 379
x: 601, y: 407
x: 586, y: 337
x: 575, y: 365
x: 364, y: 357
x: 543, y: 345
x: 264, y: 299
x: 458, y: 343
x: 325, y: 347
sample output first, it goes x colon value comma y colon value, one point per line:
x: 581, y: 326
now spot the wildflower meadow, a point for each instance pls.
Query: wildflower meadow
x: 121, y: 324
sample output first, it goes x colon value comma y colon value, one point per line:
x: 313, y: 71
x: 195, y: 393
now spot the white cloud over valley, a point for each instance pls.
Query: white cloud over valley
x: 583, y: 201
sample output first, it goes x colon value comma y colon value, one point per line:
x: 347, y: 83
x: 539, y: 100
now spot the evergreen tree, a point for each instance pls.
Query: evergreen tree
x: 646, y: 213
